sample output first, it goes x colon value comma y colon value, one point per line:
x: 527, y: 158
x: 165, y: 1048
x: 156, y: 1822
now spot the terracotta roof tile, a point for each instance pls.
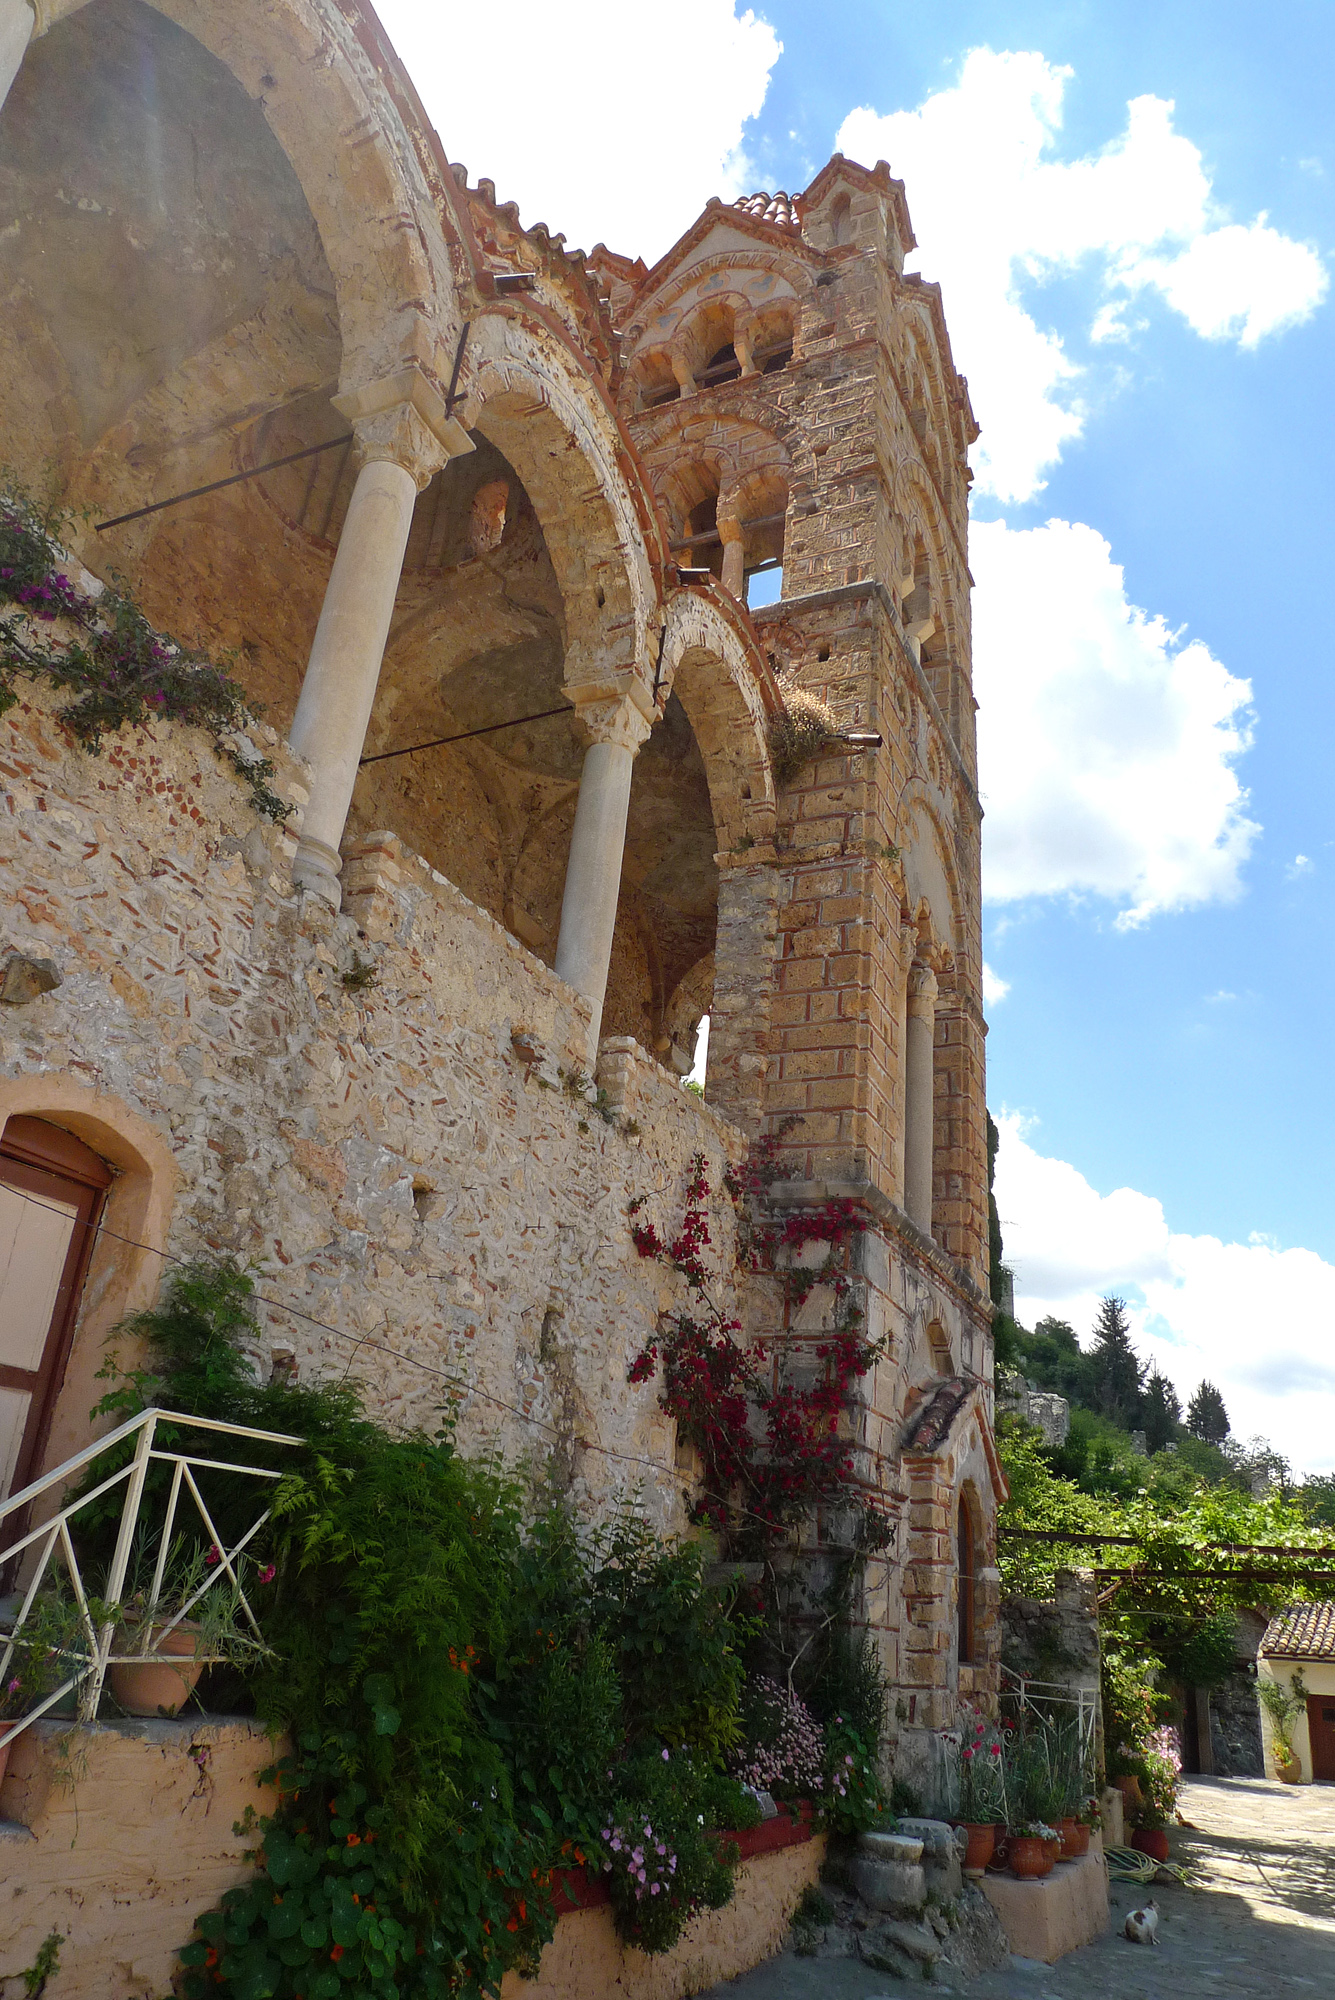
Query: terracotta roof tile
x: 1302, y: 1632
x: 777, y: 208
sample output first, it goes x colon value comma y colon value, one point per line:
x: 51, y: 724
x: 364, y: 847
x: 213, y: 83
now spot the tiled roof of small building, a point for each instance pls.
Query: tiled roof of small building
x: 1302, y: 1632
x: 777, y: 207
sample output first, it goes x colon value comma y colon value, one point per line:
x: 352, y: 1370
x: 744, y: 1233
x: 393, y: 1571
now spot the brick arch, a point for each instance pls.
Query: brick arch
x: 532, y: 398
x: 728, y: 690
x: 342, y: 109
x: 921, y: 510
x: 786, y: 266
x: 948, y: 925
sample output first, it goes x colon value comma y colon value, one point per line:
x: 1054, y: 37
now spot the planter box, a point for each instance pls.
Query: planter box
x: 578, y: 1889
x: 1048, y: 1918
x: 587, y: 1961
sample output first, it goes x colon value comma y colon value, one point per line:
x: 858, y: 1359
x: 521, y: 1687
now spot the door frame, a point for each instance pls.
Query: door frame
x: 40, y: 1159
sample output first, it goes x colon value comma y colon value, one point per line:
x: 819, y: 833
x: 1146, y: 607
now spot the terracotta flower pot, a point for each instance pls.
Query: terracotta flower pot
x: 1151, y: 1840
x: 1075, y: 1840
x: 982, y: 1842
x: 1290, y: 1769
x: 147, y: 1688
x: 1129, y: 1787
x: 4, y: 1758
x: 1030, y: 1857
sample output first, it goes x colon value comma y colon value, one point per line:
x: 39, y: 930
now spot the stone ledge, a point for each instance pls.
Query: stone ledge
x: 1045, y: 1920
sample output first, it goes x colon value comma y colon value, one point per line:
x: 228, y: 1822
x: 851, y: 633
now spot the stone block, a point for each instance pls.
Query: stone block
x: 887, y: 1873
x: 1044, y: 1920
x: 940, y: 1856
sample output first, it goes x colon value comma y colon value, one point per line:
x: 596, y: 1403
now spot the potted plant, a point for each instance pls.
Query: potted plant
x: 50, y: 1647
x: 1030, y: 1847
x: 1086, y: 1817
x: 1284, y: 1708
x: 159, y: 1652
x: 982, y: 1792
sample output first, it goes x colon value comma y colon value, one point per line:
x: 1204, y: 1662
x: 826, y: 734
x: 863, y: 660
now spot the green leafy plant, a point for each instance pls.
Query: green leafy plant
x: 470, y: 1694
x: 120, y: 671
x: 664, y: 1857
x: 44, y: 1966
x: 1285, y: 1706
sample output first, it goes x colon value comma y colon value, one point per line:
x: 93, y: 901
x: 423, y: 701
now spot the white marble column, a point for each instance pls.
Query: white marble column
x: 919, y: 1105
x: 403, y: 437
x: 734, y: 558
x: 615, y: 729
x: 17, y: 21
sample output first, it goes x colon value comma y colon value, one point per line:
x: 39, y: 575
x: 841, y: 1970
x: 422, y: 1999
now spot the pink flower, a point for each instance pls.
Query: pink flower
x: 214, y: 1556
x: 268, y: 1573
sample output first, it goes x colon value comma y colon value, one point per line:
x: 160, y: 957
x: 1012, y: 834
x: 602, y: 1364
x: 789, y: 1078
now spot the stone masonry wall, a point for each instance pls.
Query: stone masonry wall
x: 408, y: 1164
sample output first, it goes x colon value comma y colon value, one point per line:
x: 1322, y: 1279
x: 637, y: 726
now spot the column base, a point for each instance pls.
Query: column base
x: 315, y: 868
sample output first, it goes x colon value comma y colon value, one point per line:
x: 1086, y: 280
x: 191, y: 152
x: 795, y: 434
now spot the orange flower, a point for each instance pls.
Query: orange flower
x: 336, y: 1953
x: 354, y: 1840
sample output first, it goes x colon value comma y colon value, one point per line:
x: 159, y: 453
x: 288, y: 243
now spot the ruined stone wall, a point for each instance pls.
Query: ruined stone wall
x: 404, y: 1161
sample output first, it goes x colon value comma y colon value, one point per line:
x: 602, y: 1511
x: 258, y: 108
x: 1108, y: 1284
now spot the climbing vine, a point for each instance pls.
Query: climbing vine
x: 118, y: 668
x: 767, y: 1431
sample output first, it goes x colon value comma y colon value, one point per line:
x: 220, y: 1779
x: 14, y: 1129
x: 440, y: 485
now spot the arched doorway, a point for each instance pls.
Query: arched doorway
x: 52, y: 1188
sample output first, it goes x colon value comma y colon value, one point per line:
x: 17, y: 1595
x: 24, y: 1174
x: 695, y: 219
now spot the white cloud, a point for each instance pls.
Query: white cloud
x: 1106, y: 746
x: 1300, y: 865
x: 995, y: 988
x: 612, y: 127
x: 1254, y: 1318
x: 996, y: 214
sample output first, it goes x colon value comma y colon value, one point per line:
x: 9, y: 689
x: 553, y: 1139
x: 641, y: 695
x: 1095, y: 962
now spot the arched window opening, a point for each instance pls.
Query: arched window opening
x: 763, y: 509
x: 694, y: 497
x: 772, y: 340
x: 657, y: 379
x: 52, y: 1188
x: 967, y: 1579
x: 722, y: 366
x: 841, y: 219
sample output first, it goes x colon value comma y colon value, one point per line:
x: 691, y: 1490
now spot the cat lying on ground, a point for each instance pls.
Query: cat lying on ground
x: 1142, y: 1926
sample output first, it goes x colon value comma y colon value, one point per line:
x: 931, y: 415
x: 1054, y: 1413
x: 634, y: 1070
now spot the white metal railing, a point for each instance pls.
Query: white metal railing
x: 1084, y: 1701
x: 90, y: 1660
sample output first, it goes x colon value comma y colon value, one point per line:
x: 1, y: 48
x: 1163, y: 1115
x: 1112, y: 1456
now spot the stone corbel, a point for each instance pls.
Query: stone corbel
x: 402, y: 418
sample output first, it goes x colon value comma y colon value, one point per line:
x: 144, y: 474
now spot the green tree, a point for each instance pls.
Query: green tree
x: 1207, y: 1418
x: 1161, y: 1412
x: 1052, y: 1358
x: 1118, y: 1375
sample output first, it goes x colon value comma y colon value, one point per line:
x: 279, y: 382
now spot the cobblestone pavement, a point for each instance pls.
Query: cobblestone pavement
x: 1258, y: 1921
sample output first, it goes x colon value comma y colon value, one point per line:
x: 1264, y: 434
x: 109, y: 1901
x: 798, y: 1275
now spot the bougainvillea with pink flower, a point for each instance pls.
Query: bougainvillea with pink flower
x: 772, y: 1442
x: 120, y: 670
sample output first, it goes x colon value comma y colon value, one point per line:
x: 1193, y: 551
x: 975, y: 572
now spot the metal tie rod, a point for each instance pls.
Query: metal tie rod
x: 216, y: 486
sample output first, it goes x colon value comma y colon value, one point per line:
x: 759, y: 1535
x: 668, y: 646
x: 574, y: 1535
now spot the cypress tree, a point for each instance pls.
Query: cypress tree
x: 1207, y: 1419
x: 1161, y: 1412
x: 1118, y: 1375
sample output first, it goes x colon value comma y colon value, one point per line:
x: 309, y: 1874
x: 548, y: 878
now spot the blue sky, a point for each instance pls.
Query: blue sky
x: 1130, y: 210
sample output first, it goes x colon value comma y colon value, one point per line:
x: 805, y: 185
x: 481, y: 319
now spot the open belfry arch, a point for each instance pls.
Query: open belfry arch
x: 531, y: 558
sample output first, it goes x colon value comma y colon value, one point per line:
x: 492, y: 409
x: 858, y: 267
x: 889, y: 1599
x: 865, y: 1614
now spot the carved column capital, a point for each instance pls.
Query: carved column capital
x: 923, y: 990
x: 402, y: 419
x: 613, y: 718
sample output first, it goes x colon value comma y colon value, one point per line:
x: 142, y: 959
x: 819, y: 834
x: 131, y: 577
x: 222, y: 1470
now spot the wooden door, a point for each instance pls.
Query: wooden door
x: 1321, y: 1734
x: 51, y: 1191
